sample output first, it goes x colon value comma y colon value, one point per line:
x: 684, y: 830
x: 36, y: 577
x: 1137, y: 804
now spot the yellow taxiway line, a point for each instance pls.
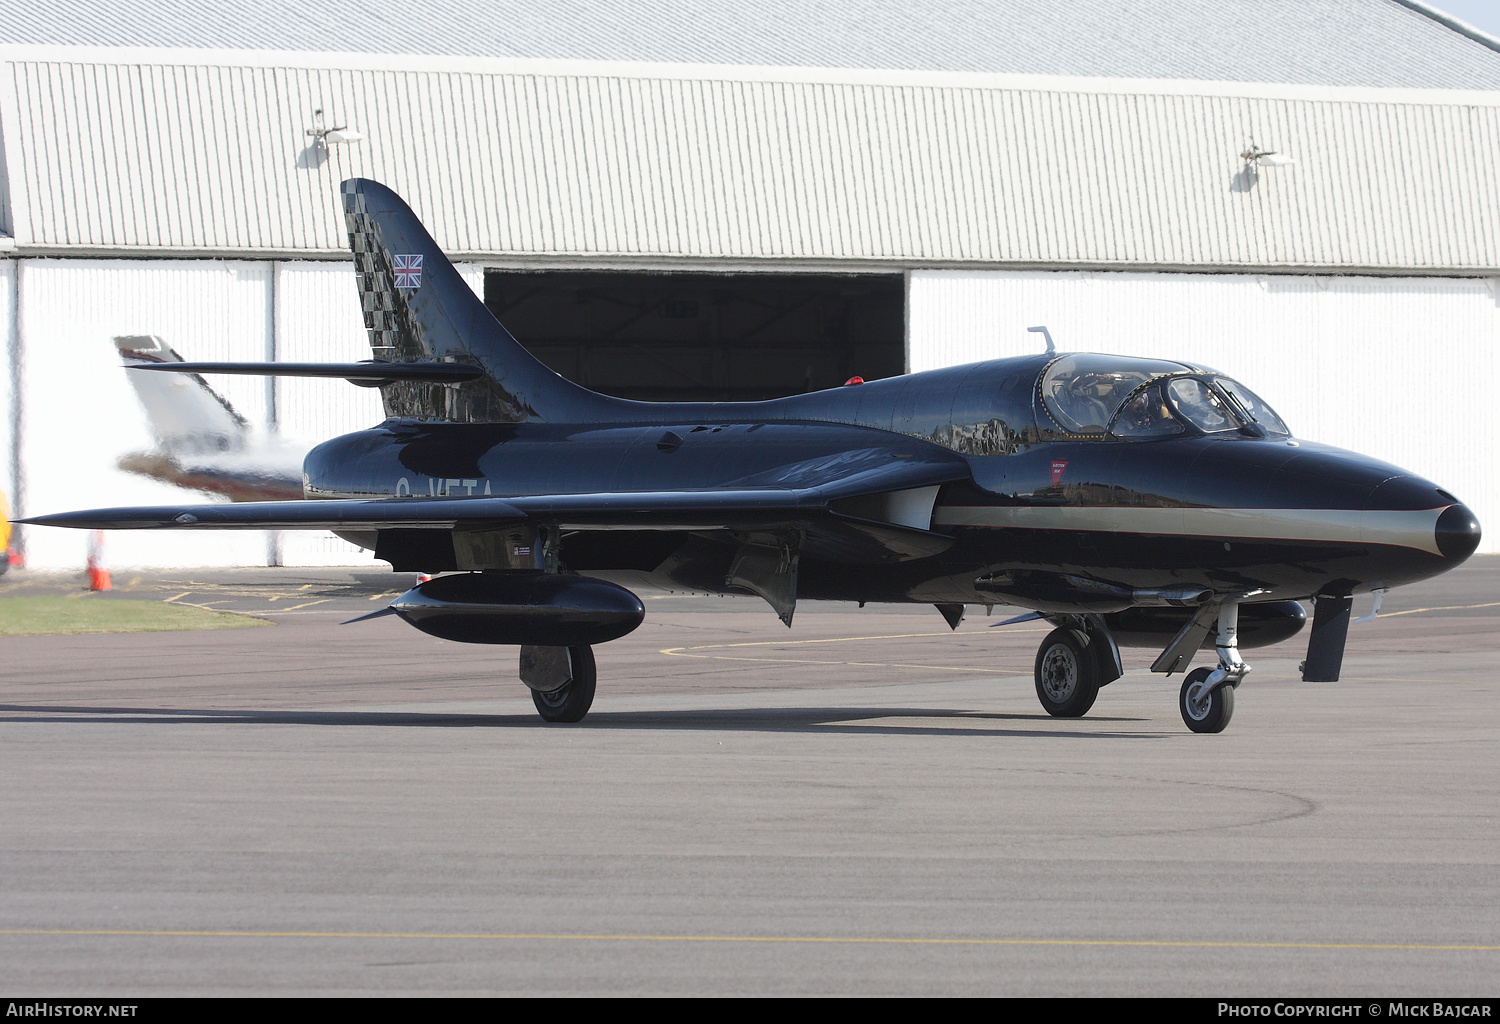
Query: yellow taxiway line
x: 789, y: 939
x: 1438, y: 608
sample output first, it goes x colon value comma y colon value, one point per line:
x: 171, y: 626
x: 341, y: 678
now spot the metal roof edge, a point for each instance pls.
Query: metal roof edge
x: 903, y: 264
x: 316, y: 60
x: 151, y: 252
x: 662, y: 263
x: 1447, y: 20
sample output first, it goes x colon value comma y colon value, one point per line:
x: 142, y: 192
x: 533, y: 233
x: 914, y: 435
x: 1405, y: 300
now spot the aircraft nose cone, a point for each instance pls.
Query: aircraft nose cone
x: 1457, y: 533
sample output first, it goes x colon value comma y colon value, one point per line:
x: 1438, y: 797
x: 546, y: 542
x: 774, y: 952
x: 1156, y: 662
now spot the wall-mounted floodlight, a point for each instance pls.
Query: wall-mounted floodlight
x: 1266, y: 157
x: 336, y: 136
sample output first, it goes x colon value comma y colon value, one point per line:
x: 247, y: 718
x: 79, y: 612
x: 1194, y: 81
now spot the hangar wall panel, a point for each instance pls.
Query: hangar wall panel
x: 318, y: 320
x: 81, y: 414
x: 746, y: 164
x: 8, y: 371
x: 1401, y: 369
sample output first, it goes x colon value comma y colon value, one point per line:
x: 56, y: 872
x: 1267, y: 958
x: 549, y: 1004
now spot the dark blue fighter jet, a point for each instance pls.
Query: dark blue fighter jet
x: 1137, y: 502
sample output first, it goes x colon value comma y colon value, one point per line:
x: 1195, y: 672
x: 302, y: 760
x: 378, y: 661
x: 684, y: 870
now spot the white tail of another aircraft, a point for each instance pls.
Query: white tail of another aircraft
x: 202, y: 443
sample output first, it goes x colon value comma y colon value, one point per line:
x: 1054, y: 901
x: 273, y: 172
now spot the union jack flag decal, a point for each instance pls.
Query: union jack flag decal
x: 408, y: 271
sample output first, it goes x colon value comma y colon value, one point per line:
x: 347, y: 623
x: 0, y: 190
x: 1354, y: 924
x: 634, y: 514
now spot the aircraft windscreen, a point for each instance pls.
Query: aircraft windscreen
x: 1082, y: 392
x: 1197, y: 403
x: 1164, y: 408
x: 1254, y: 406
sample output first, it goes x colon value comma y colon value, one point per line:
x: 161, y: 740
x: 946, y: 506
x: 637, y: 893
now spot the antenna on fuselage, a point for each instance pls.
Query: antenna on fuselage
x: 1051, y: 348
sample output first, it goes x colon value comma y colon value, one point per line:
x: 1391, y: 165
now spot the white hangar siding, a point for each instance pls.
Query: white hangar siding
x: 78, y: 413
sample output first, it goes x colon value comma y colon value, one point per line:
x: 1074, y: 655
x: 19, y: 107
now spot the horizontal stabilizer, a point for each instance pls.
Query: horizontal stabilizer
x: 367, y: 374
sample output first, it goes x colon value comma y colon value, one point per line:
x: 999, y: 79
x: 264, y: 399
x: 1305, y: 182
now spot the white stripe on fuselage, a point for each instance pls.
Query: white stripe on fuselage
x: 1409, y: 529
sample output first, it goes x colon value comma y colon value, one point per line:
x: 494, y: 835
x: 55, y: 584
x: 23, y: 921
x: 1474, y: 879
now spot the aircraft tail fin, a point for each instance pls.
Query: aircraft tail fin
x: 184, y: 413
x: 418, y: 307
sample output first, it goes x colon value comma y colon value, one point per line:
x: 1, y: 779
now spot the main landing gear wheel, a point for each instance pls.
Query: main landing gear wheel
x: 1211, y: 714
x: 1067, y: 674
x: 571, y: 701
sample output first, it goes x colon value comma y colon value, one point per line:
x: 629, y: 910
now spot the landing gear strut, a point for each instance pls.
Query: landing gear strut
x: 1206, y: 699
x: 561, y: 680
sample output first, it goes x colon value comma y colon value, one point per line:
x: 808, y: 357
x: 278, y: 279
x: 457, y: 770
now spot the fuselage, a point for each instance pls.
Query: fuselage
x: 1047, y: 515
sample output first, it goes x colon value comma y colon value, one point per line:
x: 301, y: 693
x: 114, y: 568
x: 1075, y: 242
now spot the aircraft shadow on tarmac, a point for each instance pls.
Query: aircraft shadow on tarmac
x: 799, y: 719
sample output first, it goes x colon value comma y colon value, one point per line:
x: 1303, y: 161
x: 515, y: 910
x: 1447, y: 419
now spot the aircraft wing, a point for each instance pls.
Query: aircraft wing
x: 643, y: 509
x: 743, y: 506
x: 333, y: 514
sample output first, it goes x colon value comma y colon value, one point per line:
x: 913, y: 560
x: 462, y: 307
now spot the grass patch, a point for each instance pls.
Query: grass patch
x: 48, y: 615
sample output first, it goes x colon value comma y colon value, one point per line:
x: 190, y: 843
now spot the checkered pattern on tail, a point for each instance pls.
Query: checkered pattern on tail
x: 376, y: 281
x: 418, y: 309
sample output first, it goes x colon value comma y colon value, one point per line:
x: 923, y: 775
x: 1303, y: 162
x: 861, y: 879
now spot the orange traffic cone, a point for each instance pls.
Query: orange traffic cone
x: 98, y: 575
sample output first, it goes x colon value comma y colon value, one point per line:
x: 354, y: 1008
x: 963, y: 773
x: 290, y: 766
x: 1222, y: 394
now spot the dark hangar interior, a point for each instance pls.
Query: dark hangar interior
x: 705, y: 337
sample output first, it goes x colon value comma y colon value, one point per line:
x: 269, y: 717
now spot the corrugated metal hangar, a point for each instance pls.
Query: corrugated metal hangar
x: 666, y: 200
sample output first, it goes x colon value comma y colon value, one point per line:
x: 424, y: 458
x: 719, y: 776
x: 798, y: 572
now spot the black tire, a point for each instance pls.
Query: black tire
x: 1067, y: 674
x: 571, y: 701
x: 1212, y: 716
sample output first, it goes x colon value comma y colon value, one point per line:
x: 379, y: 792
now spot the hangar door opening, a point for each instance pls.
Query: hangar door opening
x: 705, y: 337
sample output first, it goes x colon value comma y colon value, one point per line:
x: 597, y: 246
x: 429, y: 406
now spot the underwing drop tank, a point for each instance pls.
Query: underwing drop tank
x: 528, y: 608
x: 1260, y: 625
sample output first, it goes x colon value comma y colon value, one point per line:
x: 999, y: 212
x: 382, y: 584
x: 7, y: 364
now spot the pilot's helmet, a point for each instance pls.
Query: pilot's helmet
x: 1087, y: 385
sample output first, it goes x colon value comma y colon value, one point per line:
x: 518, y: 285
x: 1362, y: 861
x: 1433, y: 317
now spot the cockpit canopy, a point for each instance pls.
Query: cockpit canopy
x: 1099, y: 395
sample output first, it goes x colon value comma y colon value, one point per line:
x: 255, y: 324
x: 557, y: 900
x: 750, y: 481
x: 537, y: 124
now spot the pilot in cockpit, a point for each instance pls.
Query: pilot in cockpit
x: 1146, y: 414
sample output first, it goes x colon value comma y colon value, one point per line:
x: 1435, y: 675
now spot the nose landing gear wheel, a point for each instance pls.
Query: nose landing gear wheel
x: 1206, y: 715
x: 571, y: 701
x: 1067, y: 674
